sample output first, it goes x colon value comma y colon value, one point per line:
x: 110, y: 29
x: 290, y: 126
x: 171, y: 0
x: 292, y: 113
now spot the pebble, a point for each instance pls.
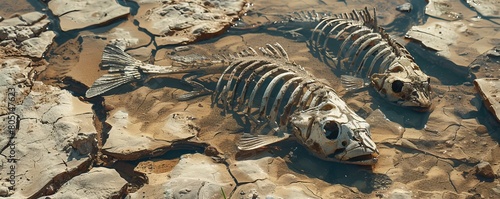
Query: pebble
x: 211, y: 151
x: 481, y: 130
x: 484, y: 169
x: 4, y: 191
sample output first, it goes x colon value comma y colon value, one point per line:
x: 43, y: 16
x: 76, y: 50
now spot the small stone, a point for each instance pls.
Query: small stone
x: 211, y: 151
x: 481, y: 130
x: 467, y: 84
x: 4, y: 191
x: 406, y: 7
x: 440, y: 96
x: 484, y: 169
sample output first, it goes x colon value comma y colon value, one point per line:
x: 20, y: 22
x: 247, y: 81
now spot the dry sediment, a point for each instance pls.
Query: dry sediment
x: 442, y: 158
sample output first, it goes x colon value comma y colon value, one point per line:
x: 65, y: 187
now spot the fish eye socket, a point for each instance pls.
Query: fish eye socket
x: 331, y: 130
x: 414, y: 93
x: 397, y: 86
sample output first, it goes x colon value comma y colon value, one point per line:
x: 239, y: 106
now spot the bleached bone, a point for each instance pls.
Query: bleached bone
x: 267, y: 93
x: 281, y: 94
x: 316, y: 100
x: 293, y: 101
x: 241, y: 99
x: 364, y: 35
x: 361, y: 30
x: 312, y: 111
x: 358, y: 41
x: 257, y: 87
x: 363, y: 46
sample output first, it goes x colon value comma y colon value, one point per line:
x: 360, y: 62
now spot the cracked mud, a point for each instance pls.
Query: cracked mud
x: 139, y: 141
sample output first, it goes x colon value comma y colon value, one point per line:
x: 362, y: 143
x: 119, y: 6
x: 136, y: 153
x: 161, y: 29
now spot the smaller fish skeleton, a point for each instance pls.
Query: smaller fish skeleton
x: 386, y: 64
x: 278, y: 96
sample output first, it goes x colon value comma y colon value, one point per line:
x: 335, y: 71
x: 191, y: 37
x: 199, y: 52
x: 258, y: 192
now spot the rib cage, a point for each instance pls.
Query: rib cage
x: 367, y: 37
x: 275, y: 78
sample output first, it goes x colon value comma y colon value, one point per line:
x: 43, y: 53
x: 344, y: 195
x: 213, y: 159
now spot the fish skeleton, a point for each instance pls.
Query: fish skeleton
x: 274, y: 93
x: 386, y: 64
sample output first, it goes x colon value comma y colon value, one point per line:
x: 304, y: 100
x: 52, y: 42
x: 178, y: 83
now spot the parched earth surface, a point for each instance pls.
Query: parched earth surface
x: 139, y: 141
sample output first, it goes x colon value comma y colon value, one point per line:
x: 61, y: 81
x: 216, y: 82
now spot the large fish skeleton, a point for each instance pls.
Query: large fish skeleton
x: 277, y: 95
x: 362, y: 48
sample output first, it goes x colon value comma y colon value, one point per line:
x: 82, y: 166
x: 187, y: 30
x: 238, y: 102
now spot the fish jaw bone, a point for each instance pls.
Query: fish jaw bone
x: 333, y: 132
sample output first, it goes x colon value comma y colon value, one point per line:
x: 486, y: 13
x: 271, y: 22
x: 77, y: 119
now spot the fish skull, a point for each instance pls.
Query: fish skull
x: 405, y: 85
x: 333, y: 132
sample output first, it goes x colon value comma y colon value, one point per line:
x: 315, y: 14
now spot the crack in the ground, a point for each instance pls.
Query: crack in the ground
x: 251, y: 182
x: 70, y: 11
x: 425, y: 152
x: 456, y: 132
x: 57, y: 120
x: 31, y: 118
x: 232, y: 176
x: 199, y: 189
x: 449, y: 175
x: 349, y: 188
x: 143, y: 100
